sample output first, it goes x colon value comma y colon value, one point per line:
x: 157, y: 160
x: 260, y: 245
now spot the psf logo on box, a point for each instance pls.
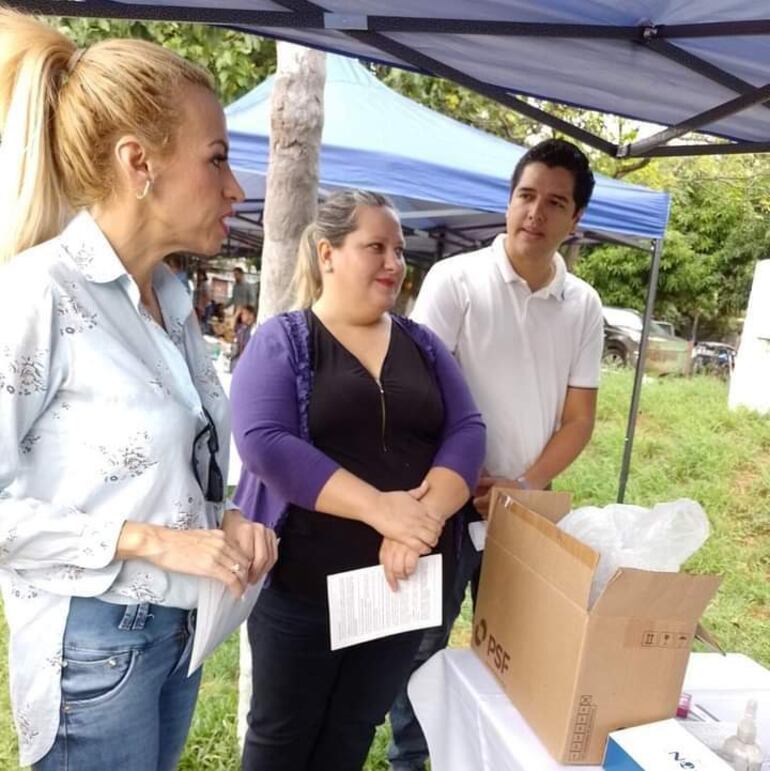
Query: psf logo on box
x: 661, y: 746
x: 495, y: 653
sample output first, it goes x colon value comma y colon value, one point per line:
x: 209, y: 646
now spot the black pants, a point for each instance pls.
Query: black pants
x: 313, y: 709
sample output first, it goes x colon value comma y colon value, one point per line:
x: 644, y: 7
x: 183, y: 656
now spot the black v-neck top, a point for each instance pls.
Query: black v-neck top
x: 386, y: 433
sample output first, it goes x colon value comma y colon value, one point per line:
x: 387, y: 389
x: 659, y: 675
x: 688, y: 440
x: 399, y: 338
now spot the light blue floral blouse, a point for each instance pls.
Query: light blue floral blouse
x: 99, y: 407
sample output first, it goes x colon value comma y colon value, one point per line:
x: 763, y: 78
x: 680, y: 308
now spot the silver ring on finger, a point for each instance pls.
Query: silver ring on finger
x: 235, y: 568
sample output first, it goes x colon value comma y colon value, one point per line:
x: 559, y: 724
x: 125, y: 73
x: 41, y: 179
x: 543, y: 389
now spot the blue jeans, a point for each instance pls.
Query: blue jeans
x: 127, y: 702
x: 314, y: 709
x: 408, y: 749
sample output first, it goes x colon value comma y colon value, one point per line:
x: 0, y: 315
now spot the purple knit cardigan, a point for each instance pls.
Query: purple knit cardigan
x: 270, y: 398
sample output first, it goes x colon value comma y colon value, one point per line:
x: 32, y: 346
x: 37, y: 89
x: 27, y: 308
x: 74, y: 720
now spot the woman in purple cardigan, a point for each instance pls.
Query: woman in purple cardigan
x: 360, y: 441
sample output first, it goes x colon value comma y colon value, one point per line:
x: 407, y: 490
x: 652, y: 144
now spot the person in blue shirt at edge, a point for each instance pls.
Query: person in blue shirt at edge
x: 528, y: 336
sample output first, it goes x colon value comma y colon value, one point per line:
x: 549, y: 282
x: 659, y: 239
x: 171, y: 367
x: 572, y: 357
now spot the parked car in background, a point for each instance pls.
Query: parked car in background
x: 713, y: 358
x: 667, y: 354
x: 666, y: 326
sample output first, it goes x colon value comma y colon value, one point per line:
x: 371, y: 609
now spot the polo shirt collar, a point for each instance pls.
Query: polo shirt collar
x: 555, y: 288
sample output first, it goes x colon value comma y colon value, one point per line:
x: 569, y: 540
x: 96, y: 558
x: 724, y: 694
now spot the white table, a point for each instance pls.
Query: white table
x: 721, y: 686
x: 471, y: 725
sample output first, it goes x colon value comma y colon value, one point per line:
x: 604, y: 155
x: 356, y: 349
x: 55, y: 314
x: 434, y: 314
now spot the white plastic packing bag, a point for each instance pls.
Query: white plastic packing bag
x: 660, y: 539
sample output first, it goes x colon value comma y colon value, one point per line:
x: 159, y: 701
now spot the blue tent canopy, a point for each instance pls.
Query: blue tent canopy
x: 444, y: 176
x: 689, y: 66
x: 683, y: 64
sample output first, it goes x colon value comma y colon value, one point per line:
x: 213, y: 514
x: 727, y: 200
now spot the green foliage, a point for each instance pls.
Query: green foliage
x: 719, y: 222
x: 460, y: 103
x: 719, y: 228
x: 237, y: 61
x: 483, y: 113
x: 212, y: 743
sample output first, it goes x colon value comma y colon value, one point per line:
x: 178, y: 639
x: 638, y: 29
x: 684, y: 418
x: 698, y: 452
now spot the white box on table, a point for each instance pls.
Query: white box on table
x: 661, y: 746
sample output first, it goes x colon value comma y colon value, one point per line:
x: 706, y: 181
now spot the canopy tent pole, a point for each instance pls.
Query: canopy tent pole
x: 652, y: 287
x: 439, y: 253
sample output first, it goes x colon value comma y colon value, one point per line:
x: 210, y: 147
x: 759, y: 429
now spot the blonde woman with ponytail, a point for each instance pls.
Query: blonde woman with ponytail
x: 114, y: 430
x: 360, y: 441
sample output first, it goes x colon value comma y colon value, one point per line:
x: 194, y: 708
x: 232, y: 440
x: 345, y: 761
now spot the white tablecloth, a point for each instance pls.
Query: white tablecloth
x: 471, y: 725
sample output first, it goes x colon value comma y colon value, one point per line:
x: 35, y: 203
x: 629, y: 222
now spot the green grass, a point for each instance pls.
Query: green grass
x: 687, y: 445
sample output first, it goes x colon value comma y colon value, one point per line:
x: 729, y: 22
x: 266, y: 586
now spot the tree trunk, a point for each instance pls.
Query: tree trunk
x: 296, y: 123
x: 291, y: 197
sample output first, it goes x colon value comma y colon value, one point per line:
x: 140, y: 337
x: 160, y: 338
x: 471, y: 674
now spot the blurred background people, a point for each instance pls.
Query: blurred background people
x: 243, y: 330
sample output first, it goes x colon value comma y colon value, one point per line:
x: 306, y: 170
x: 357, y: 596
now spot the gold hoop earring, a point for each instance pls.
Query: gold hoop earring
x: 142, y: 194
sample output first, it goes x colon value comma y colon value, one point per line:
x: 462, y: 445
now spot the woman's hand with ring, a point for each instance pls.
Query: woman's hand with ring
x: 207, y: 553
x: 254, y: 540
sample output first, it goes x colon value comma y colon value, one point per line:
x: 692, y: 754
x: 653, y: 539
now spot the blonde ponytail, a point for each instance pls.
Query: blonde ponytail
x: 33, y: 61
x: 306, y: 284
x: 337, y: 217
x: 61, y: 110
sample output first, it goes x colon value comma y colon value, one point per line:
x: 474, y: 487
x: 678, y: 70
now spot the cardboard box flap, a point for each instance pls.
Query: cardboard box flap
x: 553, y: 506
x: 533, y: 539
x: 704, y: 636
x: 633, y: 592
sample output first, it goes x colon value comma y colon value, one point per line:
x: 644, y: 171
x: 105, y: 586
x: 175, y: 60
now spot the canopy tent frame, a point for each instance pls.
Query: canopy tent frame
x: 371, y: 29
x: 636, y: 391
x: 461, y: 195
x: 303, y: 15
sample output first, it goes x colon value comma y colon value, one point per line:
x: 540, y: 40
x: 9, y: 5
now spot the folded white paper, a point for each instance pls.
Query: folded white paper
x: 363, y: 607
x: 219, y: 614
x: 478, y: 533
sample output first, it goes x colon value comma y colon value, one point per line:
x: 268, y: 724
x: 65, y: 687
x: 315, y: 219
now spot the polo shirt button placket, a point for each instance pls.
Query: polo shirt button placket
x: 525, y: 308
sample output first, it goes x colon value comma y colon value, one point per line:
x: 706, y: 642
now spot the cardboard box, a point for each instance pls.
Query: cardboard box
x: 662, y: 746
x: 576, y: 675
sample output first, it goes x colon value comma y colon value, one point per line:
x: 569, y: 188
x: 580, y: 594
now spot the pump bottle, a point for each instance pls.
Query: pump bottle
x: 742, y: 751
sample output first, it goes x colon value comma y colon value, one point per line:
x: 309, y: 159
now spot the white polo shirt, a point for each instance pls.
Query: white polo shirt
x: 519, y: 350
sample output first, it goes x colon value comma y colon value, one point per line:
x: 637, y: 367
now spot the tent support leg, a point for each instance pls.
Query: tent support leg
x: 652, y: 285
x: 439, y: 252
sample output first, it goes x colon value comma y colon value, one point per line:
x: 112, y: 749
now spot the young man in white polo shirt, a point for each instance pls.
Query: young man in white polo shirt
x: 528, y: 336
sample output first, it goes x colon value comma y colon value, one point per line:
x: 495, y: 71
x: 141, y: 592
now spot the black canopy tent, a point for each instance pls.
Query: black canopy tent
x: 686, y: 66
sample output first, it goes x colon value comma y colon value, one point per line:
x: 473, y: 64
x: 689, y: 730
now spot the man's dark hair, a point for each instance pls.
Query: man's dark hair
x: 238, y: 270
x: 559, y: 152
